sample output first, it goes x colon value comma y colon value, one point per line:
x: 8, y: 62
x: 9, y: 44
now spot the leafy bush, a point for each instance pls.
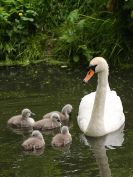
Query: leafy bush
x: 17, y: 23
x: 102, y: 33
x: 83, y: 37
x: 70, y: 31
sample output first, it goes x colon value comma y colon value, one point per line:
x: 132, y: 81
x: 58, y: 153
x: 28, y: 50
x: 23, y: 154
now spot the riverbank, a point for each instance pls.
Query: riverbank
x: 66, y: 32
x: 53, y: 62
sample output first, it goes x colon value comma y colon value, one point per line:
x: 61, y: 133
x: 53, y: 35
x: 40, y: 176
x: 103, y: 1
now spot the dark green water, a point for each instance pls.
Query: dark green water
x: 43, y: 89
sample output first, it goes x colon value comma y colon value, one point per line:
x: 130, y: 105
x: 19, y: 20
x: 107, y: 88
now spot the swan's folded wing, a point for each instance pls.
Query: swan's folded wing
x: 85, y: 110
x: 113, y: 115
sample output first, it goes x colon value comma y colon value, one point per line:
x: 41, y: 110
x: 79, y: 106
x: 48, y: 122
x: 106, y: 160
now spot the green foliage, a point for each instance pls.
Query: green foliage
x: 128, y: 8
x: 17, y: 23
x: 98, y: 33
x: 70, y: 31
x: 70, y: 41
x: 83, y: 37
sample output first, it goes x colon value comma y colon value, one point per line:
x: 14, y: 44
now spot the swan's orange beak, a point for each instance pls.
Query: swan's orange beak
x: 88, y: 75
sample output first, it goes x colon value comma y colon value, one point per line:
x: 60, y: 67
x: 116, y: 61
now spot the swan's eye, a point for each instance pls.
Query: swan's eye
x: 92, y: 67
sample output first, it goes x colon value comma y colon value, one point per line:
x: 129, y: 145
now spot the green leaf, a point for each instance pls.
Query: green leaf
x: 31, y: 12
x: 27, y: 19
x: 76, y: 58
x: 86, y: 52
x: 131, y: 14
x: 81, y: 23
x: 9, y: 48
x: 2, y: 9
x: 73, y: 16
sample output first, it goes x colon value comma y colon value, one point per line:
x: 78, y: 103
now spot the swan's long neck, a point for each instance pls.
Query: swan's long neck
x: 97, y: 117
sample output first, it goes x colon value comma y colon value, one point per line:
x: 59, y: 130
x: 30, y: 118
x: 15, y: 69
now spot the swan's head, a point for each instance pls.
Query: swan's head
x: 97, y: 65
x: 27, y: 113
x: 37, y: 134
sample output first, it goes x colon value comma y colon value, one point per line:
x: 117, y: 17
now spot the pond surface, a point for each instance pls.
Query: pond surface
x: 43, y: 89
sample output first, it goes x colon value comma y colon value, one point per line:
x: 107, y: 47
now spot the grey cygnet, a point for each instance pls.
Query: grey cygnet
x: 64, y: 114
x: 35, y: 142
x: 48, y: 123
x: 22, y: 120
x: 63, y: 138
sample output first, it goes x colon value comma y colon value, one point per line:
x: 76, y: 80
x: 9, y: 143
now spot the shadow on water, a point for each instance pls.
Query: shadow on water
x: 43, y: 89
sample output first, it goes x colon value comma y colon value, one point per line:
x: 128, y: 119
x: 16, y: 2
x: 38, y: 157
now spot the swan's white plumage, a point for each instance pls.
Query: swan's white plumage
x: 112, y: 117
x: 85, y: 109
x: 113, y: 112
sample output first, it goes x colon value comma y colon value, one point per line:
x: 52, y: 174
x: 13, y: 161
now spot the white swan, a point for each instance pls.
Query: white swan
x: 100, y: 112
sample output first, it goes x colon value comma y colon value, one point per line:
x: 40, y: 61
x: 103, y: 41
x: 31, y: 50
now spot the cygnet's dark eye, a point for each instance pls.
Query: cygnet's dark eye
x: 58, y: 120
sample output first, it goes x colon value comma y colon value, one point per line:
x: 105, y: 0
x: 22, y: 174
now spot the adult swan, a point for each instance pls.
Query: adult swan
x: 100, y: 112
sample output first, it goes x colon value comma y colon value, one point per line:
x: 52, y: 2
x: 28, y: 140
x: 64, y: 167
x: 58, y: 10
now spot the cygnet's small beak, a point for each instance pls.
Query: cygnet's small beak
x: 59, y: 121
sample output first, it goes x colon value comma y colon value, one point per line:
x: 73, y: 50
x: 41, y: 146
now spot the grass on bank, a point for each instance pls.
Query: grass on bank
x: 71, y: 33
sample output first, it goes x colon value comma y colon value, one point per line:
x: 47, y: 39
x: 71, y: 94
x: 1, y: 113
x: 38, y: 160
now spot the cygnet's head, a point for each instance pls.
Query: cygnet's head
x: 64, y: 130
x: 55, y: 117
x: 67, y: 109
x: 37, y: 134
x: 26, y: 113
x: 97, y: 65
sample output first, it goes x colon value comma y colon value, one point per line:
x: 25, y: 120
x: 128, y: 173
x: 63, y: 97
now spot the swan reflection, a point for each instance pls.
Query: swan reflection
x: 99, y: 147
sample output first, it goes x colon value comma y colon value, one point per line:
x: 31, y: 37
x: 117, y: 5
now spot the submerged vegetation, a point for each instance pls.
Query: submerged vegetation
x: 66, y: 31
